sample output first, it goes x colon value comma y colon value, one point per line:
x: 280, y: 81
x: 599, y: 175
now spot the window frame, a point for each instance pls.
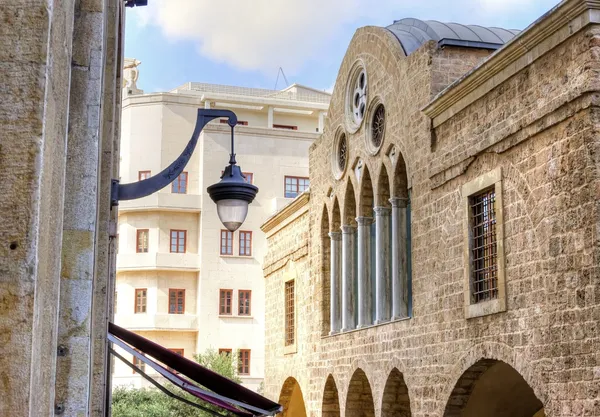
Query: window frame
x: 138, y: 363
x: 137, y: 240
x: 135, y: 301
x: 177, y: 244
x: 143, y: 175
x: 226, y: 351
x: 178, y: 182
x: 245, y: 232
x: 241, y: 362
x: 221, y: 243
x: 289, y: 343
x: 251, y: 174
x: 470, y: 190
x: 284, y: 127
x: 239, y: 303
x: 230, y: 291
x: 293, y: 177
x: 176, y: 298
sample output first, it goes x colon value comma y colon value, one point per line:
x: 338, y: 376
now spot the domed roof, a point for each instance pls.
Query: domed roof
x: 412, y: 33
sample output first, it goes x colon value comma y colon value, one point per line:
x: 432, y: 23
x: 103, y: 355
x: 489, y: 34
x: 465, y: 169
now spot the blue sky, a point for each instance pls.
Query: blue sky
x: 244, y: 42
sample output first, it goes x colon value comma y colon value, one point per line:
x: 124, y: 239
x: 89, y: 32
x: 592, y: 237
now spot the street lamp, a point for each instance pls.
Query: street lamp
x: 232, y: 194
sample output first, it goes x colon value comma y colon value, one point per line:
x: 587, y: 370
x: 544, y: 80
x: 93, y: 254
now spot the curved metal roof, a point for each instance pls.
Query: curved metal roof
x: 412, y: 33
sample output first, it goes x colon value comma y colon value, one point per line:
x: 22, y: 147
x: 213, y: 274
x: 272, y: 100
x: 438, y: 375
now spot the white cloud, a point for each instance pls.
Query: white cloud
x: 266, y: 34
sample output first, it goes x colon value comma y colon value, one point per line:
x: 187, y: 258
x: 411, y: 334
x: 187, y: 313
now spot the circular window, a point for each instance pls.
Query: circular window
x: 356, y: 97
x: 339, y: 156
x: 378, y: 126
x: 375, y: 126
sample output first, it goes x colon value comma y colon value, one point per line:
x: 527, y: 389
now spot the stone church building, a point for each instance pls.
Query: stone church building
x: 445, y: 261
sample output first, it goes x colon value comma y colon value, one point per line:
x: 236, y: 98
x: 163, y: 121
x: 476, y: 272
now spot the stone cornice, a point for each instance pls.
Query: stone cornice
x: 573, y: 15
x: 285, y: 214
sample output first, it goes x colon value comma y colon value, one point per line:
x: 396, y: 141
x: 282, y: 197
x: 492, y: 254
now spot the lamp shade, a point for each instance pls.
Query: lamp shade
x: 232, y: 195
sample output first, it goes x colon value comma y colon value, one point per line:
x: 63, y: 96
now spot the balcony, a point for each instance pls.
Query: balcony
x: 158, y: 261
x: 159, y: 321
x: 163, y: 202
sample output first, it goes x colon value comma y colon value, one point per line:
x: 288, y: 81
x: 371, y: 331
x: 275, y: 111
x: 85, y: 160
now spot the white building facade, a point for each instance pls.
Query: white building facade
x: 182, y: 279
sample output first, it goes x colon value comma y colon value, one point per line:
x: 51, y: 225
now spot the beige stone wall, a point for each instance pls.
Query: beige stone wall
x: 58, y: 68
x: 541, y: 127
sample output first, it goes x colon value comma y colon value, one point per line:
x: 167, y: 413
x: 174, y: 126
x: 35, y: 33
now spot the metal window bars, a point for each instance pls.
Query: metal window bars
x: 484, y: 254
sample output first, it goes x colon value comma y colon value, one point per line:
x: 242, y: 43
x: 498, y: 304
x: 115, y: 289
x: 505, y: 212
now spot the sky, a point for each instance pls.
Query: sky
x: 245, y: 42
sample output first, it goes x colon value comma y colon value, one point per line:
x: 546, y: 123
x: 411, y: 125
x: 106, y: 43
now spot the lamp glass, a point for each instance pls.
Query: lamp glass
x: 232, y: 213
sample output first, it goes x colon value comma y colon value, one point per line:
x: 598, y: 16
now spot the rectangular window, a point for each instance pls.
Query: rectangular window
x: 226, y: 352
x: 180, y: 353
x: 286, y: 127
x: 484, y: 272
x: 176, y: 301
x: 290, y: 314
x: 178, y: 241
x: 225, y: 298
x: 245, y: 243
x: 244, y: 300
x: 249, y: 177
x: 144, y: 175
x: 179, y: 186
x: 226, y: 242
x: 142, y: 240
x: 138, y: 364
x: 484, y: 256
x: 239, y: 122
x: 244, y: 362
x: 140, y: 300
x: 295, y: 186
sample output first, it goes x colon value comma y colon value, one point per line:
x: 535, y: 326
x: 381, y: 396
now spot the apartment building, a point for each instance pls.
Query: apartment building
x: 183, y: 280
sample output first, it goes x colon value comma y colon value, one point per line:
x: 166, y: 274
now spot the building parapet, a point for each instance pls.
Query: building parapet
x: 158, y: 261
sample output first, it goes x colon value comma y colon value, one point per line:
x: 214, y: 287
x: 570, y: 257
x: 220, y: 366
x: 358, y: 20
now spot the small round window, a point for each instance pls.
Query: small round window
x: 378, y: 126
x: 339, y: 156
x: 375, y: 126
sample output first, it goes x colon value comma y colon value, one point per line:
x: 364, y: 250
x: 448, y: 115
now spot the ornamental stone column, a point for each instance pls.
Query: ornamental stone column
x: 348, y: 278
x: 365, y: 289
x: 383, y: 290
x: 399, y: 260
x: 335, y: 317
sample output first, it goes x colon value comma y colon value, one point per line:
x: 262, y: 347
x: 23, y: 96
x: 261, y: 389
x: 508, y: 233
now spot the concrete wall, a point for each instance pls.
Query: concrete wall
x: 539, y: 126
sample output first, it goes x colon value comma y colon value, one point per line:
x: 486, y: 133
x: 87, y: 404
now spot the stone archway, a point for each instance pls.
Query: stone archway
x: 395, y: 401
x: 331, y: 400
x: 291, y: 399
x: 495, y: 389
x: 359, y: 400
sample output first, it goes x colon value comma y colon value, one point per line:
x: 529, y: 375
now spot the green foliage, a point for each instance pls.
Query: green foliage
x: 150, y: 402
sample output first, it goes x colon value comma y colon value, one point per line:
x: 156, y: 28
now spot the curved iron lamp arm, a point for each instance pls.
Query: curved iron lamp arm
x: 159, y: 181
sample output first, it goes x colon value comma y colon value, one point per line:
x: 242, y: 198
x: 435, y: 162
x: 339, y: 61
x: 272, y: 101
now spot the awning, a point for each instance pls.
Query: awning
x: 217, y: 390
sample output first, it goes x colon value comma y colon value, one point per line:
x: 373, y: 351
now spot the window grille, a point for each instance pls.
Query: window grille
x: 484, y: 256
x: 176, y: 301
x: 290, y: 330
x: 342, y: 153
